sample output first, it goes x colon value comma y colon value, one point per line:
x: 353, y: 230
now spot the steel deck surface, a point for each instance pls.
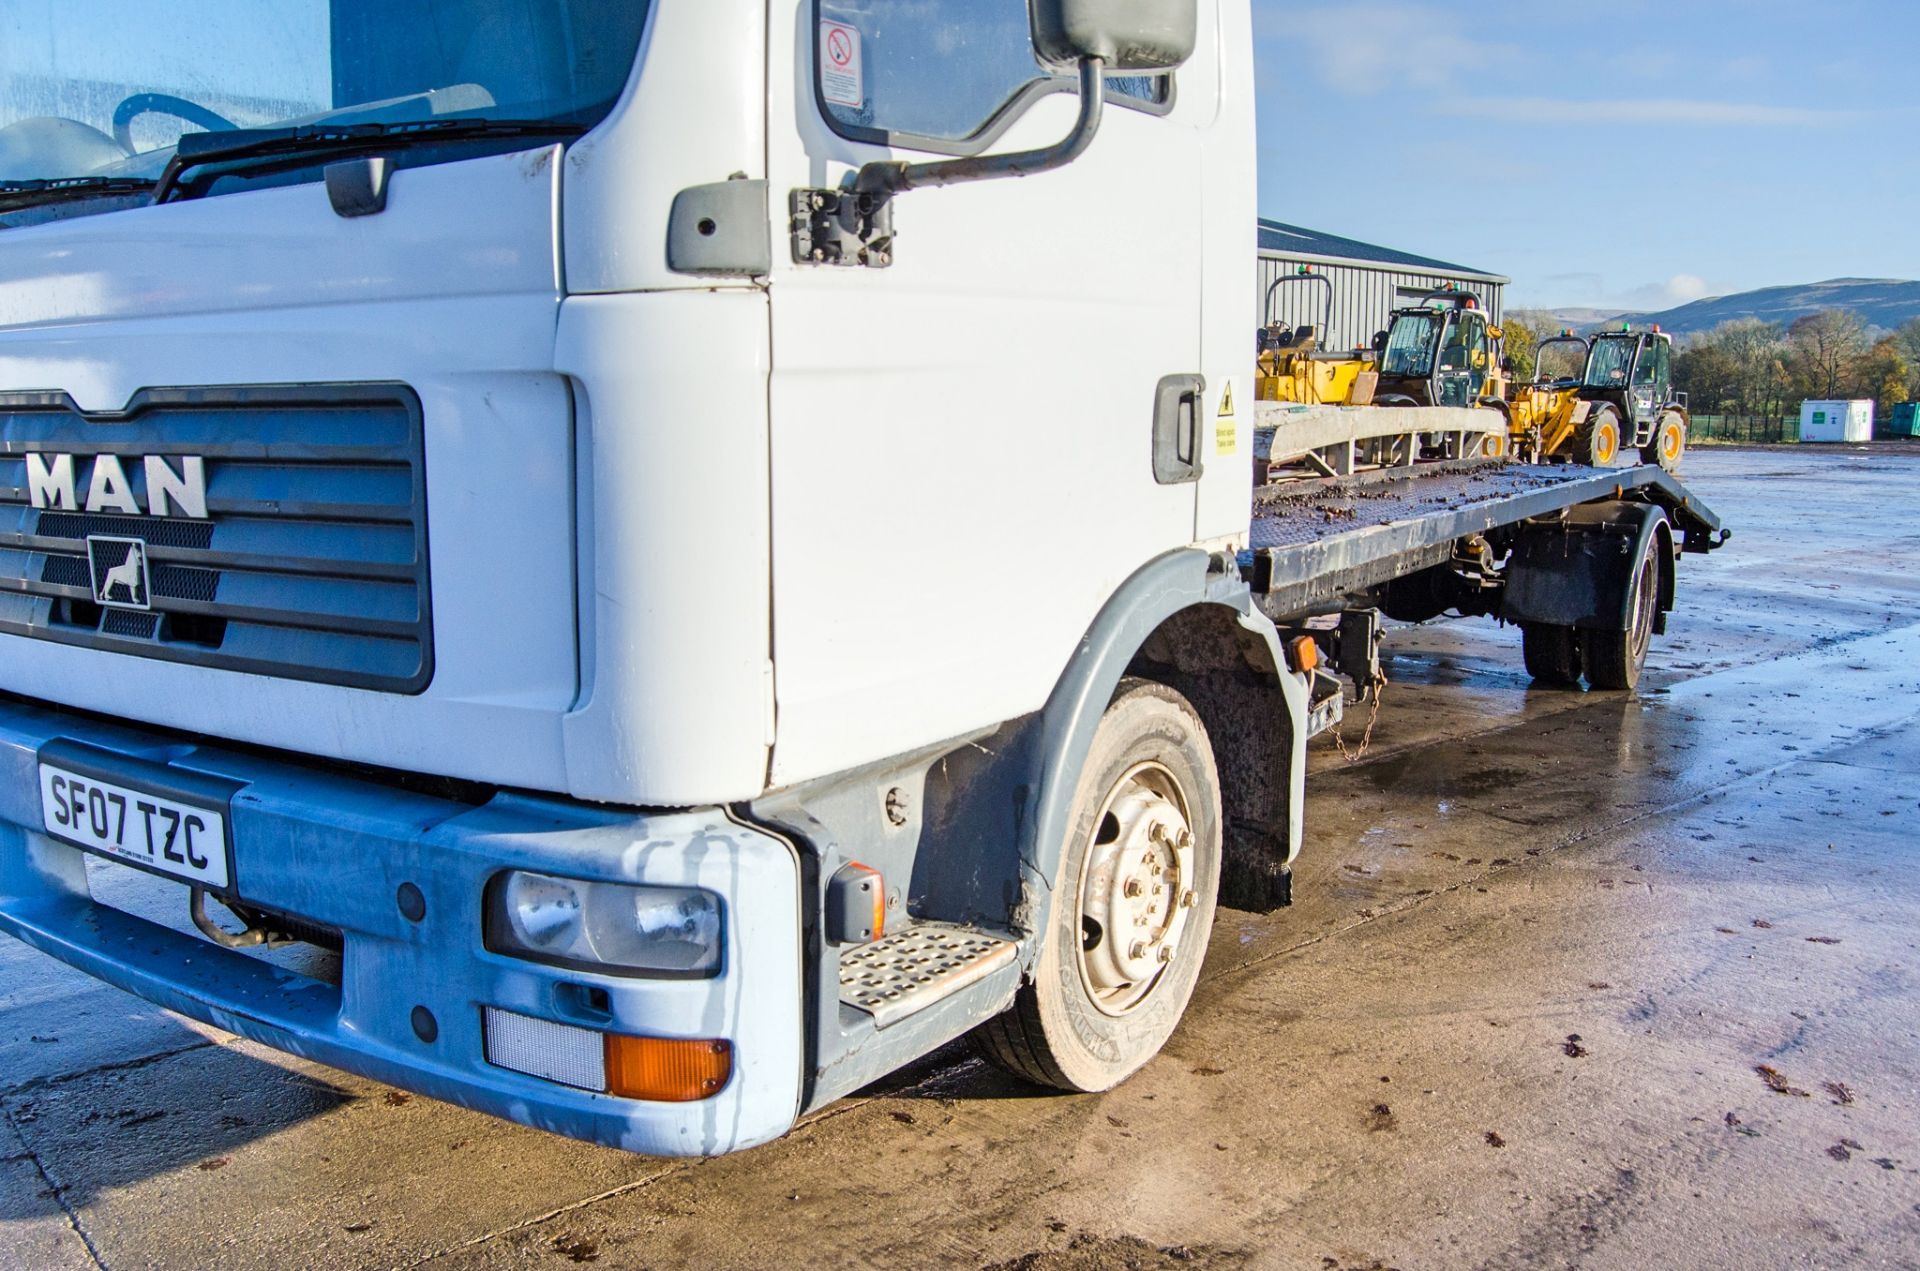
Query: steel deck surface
x: 1311, y: 543
x: 1311, y: 512
x: 1479, y: 496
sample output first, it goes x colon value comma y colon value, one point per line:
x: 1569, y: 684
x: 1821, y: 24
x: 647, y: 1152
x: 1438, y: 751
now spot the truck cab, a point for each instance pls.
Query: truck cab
x: 503, y: 479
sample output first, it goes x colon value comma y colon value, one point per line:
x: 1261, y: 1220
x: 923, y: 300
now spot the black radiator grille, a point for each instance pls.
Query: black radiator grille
x: 312, y: 563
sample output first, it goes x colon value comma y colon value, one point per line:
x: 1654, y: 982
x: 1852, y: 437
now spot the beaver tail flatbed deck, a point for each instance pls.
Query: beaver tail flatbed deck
x: 1319, y: 546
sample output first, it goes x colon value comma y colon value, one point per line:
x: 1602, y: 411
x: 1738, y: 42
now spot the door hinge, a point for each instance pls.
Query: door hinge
x: 842, y: 227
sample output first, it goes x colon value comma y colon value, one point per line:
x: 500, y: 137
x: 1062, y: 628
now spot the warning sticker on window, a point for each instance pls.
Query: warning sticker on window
x: 842, y: 81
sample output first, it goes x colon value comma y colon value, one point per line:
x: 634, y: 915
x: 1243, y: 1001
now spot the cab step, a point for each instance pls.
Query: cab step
x: 910, y: 970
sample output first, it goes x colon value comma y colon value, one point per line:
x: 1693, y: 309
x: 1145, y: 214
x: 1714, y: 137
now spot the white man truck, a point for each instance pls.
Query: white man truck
x: 700, y: 550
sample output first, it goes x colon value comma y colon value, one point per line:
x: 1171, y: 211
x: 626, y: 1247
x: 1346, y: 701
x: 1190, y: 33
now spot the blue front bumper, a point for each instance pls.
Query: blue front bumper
x: 335, y: 850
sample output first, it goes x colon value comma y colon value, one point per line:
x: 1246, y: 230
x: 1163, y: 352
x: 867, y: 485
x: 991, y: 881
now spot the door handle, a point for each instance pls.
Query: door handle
x: 1178, y: 402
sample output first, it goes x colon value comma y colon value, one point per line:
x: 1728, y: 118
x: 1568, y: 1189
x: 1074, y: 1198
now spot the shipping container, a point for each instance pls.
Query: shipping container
x: 1836, y: 421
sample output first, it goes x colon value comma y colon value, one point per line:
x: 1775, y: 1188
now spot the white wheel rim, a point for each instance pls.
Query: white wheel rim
x: 1136, y: 889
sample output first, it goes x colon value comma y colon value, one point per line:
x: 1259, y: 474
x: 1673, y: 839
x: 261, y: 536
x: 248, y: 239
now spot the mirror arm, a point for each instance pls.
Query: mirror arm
x: 885, y: 178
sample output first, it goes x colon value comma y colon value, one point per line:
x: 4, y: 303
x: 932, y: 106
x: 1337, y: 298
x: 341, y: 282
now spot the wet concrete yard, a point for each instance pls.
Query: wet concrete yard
x: 1573, y: 980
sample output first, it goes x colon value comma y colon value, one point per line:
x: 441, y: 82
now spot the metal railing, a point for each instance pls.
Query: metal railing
x: 1745, y: 429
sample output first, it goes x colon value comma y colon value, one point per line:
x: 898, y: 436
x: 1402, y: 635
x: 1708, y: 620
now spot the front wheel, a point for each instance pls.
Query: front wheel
x: 1669, y: 442
x: 1596, y: 440
x: 1133, y: 902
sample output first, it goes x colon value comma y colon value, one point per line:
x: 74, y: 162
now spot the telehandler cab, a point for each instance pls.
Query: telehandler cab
x: 1628, y: 389
x: 1440, y: 352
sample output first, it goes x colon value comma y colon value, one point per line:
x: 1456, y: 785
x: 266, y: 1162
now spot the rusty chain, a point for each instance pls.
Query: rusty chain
x: 1350, y: 754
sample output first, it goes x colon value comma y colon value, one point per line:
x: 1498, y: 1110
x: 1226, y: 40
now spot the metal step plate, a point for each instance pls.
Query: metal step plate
x: 911, y: 970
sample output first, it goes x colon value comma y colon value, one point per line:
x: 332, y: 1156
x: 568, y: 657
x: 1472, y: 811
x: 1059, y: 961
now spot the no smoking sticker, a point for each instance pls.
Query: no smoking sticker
x: 842, y: 80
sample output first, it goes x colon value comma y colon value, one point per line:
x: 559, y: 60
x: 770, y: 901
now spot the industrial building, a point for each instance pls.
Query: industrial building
x: 1369, y: 282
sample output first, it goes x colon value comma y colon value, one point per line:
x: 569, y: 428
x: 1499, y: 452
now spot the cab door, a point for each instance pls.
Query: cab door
x: 1464, y: 354
x: 962, y: 437
x: 1651, y: 374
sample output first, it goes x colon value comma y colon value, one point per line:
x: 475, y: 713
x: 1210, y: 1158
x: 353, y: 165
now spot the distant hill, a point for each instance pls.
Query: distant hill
x: 1881, y: 302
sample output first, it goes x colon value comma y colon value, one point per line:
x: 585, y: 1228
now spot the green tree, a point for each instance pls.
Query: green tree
x: 1704, y: 371
x: 1518, y: 335
x: 1525, y: 329
x: 1907, y: 340
x: 1738, y: 368
x: 1883, y: 374
x: 1826, y: 348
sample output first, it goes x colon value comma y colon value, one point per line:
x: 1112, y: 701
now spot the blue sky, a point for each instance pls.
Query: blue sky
x: 1618, y: 153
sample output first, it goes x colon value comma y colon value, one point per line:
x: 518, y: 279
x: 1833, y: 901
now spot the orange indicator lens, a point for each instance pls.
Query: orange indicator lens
x: 663, y: 1071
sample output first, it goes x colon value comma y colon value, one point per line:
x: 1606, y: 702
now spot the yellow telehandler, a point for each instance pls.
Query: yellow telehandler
x: 1618, y: 393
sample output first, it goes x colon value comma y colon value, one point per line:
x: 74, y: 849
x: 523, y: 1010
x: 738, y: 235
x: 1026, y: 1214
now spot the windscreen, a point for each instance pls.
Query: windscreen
x: 1410, y: 345
x: 107, y: 87
x: 1612, y: 361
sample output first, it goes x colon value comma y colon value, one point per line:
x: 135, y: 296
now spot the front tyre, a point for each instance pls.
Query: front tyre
x: 1669, y: 444
x: 1596, y: 440
x: 1133, y: 902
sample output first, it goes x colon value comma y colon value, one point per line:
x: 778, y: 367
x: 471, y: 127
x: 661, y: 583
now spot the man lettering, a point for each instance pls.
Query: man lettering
x: 50, y: 483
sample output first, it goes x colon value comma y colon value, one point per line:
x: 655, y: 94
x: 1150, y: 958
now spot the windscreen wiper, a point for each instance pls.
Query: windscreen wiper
x: 15, y: 195
x: 199, y: 149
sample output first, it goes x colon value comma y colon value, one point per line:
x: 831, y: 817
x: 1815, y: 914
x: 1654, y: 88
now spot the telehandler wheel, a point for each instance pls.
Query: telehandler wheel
x: 1596, y: 441
x: 1132, y: 904
x: 1615, y: 658
x: 1669, y: 442
x: 1552, y: 654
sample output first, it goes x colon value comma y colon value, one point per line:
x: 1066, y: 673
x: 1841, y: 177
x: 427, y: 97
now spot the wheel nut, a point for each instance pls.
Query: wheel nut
x: 1166, y: 954
x: 1138, y: 951
x: 1187, y: 900
x: 1133, y: 887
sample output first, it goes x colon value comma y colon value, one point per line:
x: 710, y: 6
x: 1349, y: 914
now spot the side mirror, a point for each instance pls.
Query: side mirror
x: 1132, y: 37
x: 1379, y: 341
x: 1506, y: 366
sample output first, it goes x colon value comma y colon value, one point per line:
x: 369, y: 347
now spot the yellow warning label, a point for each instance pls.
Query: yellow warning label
x: 1226, y: 428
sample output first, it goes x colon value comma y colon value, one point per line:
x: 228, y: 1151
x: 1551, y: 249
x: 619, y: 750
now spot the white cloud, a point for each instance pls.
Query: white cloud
x: 1677, y: 290
x: 1362, y: 49
x: 1556, y: 110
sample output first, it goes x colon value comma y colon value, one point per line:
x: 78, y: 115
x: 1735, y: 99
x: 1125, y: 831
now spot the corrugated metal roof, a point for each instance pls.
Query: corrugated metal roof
x: 1292, y: 240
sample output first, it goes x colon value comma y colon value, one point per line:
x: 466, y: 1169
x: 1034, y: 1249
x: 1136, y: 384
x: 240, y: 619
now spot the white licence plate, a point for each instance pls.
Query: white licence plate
x: 185, y: 840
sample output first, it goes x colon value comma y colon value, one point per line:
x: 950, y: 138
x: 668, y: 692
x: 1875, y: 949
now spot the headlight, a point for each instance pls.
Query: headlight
x: 673, y: 932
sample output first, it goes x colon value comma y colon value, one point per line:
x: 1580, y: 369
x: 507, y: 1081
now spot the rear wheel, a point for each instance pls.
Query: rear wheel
x: 1596, y: 439
x: 1669, y: 442
x: 1615, y: 658
x: 1133, y: 902
x: 1552, y: 653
